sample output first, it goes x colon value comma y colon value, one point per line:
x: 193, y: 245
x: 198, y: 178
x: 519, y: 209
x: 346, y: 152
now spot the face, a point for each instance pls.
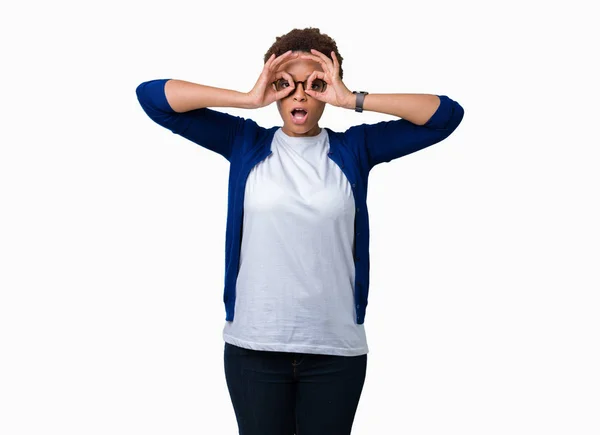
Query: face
x: 300, y: 70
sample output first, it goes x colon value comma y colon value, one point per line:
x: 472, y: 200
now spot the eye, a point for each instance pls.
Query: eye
x: 318, y: 85
x: 281, y: 84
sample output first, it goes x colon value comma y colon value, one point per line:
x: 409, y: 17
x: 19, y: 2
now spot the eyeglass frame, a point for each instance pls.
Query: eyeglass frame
x: 304, y: 83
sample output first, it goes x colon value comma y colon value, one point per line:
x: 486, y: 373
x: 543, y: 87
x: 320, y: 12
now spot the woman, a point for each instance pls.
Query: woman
x: 297, y: 237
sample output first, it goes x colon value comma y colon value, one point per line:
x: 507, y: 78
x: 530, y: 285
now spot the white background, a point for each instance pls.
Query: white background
x: 484, y: 298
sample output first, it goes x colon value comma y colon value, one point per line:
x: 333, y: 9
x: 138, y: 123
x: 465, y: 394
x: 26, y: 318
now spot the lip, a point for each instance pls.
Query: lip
x: 299, y: 121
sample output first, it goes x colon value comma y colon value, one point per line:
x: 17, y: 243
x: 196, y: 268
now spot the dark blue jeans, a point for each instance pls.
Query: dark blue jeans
x: 284, y: 393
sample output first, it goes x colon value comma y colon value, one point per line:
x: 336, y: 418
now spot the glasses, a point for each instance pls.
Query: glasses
x: 318, y: 85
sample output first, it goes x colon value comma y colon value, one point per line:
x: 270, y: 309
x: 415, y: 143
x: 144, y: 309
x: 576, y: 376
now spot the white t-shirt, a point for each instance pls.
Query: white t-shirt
x: 295, y: 286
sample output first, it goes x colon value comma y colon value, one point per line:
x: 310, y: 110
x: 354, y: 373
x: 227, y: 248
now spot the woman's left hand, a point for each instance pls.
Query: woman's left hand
x: 336, y: 93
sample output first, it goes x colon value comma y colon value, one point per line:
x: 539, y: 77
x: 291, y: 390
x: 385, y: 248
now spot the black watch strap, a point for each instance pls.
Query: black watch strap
x: 360, y: 98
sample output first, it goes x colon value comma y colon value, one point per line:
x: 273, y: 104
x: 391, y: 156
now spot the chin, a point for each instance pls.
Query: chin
x: 301, y: 129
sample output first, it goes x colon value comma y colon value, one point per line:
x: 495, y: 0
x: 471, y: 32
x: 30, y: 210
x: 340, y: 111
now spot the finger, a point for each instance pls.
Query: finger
x: 326, y: 65
x: 289, y: 78
x: 316, y: 95
x: 264, y: 74
x: 287, y: 91
x: 269, y: 61
x: 285, y: 57
x: 271, y: 65
x: 326, y: 59
x: 332, y: 63
x: 283, y: 93
x: 336, y: 63
x: 290, y: 81
x: 312, y: 57
x: 283, y: 65
x: 281, y: 75
x: 318, y: 53
x: 310, y: 91
x: 309, y: 82
x: 312, y: 77
x: 284, y: 75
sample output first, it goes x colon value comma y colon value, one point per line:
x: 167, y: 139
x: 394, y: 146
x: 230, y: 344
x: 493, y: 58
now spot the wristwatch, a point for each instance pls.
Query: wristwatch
x: 360, y: 98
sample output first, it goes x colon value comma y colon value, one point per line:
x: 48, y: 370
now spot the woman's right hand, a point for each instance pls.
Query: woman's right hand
x: 264, y: 92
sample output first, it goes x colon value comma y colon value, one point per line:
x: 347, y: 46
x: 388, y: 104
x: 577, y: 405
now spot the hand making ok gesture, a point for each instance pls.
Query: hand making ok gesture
x: 336, y: 93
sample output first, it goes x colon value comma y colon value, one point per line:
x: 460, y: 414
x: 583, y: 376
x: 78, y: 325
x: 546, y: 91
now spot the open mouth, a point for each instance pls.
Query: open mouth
x: 299, y: 116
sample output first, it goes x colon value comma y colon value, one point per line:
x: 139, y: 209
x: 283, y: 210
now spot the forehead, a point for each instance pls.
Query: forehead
x: 300, y: 67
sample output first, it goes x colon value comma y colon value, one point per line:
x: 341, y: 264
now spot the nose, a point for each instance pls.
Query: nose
x: 299, y: 96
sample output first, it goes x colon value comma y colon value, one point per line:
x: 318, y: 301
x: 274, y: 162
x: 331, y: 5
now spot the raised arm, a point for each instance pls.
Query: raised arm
x: 425, y: 118
x: 389, y: 140
x: 181, y: 107
x: 184, y: 96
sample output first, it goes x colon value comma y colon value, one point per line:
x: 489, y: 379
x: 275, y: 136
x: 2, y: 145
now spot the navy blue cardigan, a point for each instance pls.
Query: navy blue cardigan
x: 244, y: 144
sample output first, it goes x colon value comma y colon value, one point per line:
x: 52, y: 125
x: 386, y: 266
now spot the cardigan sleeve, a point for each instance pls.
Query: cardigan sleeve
x: 211, y: 129
x: 389, y: 140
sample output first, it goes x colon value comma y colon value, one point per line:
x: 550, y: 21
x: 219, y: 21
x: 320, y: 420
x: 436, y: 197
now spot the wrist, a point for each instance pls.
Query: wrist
x: 350, y: 102
x: 247, y: 101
